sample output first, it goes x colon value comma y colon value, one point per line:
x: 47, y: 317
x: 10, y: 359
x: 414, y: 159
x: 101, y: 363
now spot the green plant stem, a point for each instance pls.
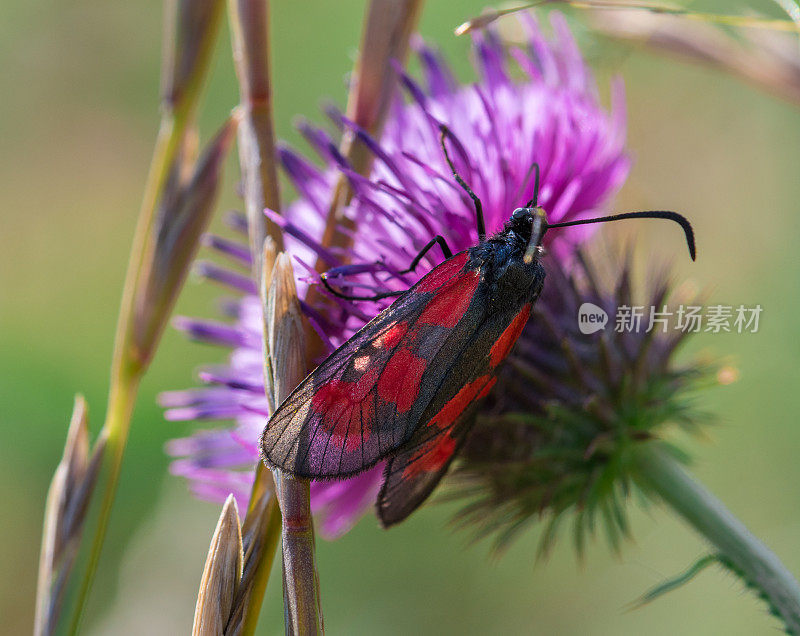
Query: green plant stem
x: 661, y: 472
x: 303, y: 614
x: 127, y: 369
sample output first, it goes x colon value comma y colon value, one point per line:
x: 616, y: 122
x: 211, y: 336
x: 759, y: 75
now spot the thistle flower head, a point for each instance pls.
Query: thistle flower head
x: 557, y: 436
x: 501, y: 126
x: 531, y: 105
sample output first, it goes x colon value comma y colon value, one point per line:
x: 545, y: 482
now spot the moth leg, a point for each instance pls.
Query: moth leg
x: 391, y: 294
x: 445, y: 132
x: 436, y: 240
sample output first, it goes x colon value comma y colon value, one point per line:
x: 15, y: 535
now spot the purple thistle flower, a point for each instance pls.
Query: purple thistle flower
x: 502, y: 125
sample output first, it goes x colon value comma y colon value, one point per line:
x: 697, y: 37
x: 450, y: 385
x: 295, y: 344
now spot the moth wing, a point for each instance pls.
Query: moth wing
x: 413, y: 473
x: 368, y: 397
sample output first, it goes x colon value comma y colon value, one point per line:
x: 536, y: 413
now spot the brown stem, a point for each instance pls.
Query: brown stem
x: 388, y: 25
x: 250, y: 38
x: 302, y: 610
x: 387, y: 28
x: 250, y: 33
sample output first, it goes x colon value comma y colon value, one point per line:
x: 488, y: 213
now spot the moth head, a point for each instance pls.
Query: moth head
x: 530, y: 224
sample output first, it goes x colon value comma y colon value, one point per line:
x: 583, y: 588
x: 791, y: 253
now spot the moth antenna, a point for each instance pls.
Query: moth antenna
x: 646, y: 214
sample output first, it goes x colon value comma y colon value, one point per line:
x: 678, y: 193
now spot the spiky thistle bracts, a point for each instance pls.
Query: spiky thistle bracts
x: 556, y: 437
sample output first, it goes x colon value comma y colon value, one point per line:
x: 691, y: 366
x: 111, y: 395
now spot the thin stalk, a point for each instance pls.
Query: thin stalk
x: 491, y: 15
x: 131, y: 358
x: 285, y: 366
x: 388, y: 25
x: 249, y: 23
x: 766, y: 62
x: 759, y: 566
x: 302, y: 610
x: 265, y: 550
x: 127, y: 366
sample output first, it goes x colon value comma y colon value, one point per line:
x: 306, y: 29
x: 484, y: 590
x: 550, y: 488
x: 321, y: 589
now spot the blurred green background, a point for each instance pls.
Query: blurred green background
x: 77, y: 120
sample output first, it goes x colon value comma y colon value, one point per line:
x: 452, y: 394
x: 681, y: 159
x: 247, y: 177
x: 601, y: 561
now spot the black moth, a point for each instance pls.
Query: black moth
x: 405, y: 388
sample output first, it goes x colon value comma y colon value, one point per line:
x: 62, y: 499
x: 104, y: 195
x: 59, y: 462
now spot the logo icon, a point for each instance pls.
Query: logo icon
x: 591, y: 318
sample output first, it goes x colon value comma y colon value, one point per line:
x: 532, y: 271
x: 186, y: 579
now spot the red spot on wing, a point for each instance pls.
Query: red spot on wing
x: 475, y: 390
x: 435, y: 453
x: 451, y: 301
x: 433, y: 456
x: 509, y: 337
x: 399, y: 382
x: 485, y: 390
x: 343, y: 410
x: 390, y: 338
x: 439, y: 275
